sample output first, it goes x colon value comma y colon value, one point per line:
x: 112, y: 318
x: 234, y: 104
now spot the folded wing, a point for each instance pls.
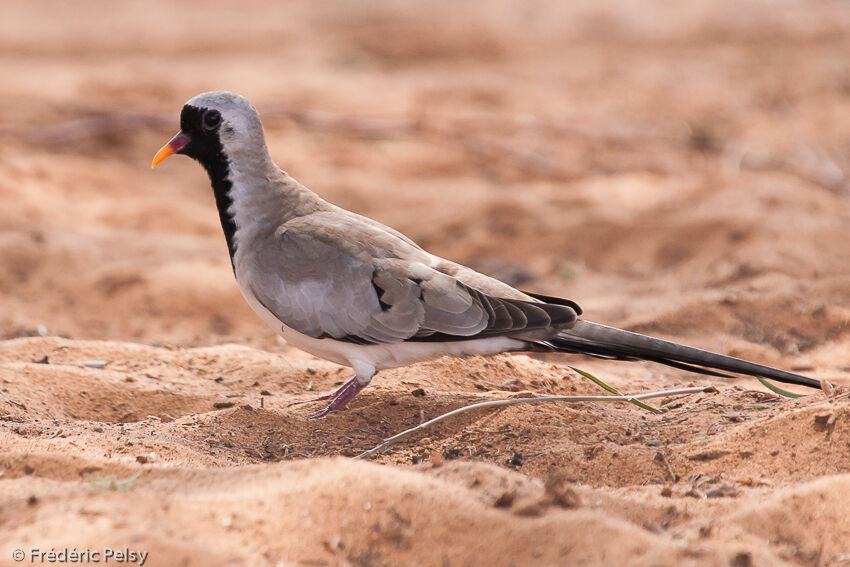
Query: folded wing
x: 324, y: 291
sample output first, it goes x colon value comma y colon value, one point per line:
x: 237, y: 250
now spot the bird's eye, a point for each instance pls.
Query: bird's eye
x: 212, y: 118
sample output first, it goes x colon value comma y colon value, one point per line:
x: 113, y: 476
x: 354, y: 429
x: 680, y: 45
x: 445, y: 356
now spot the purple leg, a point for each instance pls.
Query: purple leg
x: 339, y: 398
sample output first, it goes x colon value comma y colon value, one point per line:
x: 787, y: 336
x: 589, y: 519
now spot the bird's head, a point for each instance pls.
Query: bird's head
x: 216, y: 126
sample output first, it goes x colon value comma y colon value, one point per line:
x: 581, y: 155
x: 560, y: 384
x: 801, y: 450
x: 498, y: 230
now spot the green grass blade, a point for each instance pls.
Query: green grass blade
x: 778, y: 390
x: 614, y: 391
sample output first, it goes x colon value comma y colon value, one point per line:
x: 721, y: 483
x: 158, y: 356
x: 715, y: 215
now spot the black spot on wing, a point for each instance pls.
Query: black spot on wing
x: 380, y: 293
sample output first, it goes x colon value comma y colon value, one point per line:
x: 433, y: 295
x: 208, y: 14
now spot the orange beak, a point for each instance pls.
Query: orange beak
x: 174, y: 145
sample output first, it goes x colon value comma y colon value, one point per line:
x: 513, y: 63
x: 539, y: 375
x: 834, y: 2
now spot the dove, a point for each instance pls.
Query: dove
x: 350, y: 290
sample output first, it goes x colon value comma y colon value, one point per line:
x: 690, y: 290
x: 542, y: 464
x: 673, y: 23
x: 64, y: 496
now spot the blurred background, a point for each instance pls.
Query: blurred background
x: 677, y: 168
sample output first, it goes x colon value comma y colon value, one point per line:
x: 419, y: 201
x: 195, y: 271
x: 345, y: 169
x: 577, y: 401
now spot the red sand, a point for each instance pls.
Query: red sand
x: 677, y: 169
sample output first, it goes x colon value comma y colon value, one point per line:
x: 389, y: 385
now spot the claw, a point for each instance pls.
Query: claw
x: 328, y: 396
x: 324, y: 411
x: 310, y: 401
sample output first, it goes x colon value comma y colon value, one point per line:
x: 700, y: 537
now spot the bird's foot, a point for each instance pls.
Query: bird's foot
x: 339, y: 398
x: 323, y: 397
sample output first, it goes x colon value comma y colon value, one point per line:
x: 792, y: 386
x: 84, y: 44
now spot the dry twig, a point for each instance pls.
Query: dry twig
x: 514, y: 401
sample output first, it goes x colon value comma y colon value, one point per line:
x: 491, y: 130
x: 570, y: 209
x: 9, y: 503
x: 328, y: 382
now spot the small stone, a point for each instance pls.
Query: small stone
x: 743, y: 559
x: 709, y: 455
x: 451, y: 453
x: 529, y: 507
x: 722, y: 491
x: 559, y: 492
x: 824, y: 421
x: 337, y: 544
x: 506, y: 499
x: 418, y: 393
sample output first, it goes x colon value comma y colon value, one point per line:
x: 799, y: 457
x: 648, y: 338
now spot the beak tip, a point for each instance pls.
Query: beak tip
x: 163, y: 153
x: 176, y: 144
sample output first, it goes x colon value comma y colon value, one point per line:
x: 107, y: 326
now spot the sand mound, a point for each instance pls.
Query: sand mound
x: 127, y: 451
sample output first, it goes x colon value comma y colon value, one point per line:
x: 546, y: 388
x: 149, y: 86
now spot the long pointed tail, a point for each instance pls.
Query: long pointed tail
x: 608, y: 342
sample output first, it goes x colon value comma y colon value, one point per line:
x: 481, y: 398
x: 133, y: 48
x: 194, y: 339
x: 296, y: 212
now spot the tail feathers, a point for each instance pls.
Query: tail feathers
x: 608, y: 342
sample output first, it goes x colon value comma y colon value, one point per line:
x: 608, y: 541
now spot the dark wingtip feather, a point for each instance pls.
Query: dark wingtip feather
x: 556, y: 301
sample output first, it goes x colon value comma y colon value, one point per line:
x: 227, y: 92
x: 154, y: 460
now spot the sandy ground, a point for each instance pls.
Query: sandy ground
x: 676, y: 168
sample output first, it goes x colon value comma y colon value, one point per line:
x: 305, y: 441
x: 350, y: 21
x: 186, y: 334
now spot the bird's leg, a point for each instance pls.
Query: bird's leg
x: 328, y: 396
x: 340, y: 398
x: 345, y: 393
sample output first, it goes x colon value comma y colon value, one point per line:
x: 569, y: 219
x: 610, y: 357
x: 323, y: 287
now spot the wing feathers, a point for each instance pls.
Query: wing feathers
x: 322, y: 291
